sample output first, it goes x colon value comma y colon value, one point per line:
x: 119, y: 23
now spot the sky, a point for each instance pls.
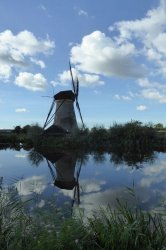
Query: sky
x: 116, y: 48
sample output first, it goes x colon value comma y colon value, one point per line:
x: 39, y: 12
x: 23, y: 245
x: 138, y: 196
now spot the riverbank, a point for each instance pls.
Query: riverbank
x: 131, y: 136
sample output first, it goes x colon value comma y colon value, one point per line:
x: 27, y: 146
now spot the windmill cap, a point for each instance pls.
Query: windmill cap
x: 68, y: 94
x: 69, y: 185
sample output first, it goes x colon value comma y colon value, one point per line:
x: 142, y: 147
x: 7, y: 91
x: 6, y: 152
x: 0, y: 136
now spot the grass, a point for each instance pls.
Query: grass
x: 123, y: 229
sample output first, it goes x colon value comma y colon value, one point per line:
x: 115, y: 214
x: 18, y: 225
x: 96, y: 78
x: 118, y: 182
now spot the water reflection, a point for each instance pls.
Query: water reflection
x: 133, y: 158
x: 60, y: 178
x: 35, y: 157
x: 64, y: 168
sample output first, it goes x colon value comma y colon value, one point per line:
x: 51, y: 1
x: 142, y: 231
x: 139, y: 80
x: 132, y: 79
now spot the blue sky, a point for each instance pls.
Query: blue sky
x: 117, y: 49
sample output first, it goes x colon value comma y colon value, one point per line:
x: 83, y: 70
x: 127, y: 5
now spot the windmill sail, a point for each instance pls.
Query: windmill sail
x: 76, y: 92
x: 77, y: 88
x: 79, y: 110
x: 72, y: 79
x: 51, y: 108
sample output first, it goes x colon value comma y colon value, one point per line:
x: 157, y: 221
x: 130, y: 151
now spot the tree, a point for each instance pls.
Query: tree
x: 17, y: 130
x: 25, y: 129
x: 159, y: 126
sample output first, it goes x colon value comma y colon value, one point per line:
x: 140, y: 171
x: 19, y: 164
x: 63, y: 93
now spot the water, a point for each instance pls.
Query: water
x: 65, y: 179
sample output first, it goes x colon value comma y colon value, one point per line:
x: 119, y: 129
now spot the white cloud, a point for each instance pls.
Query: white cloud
x: 99, y: 54
x: 32, y: 82
x: 153, y: 90
x: 142, y: 108
x: 21, y: 110
x: 54, y: 83
x: 97, y: 92
x: 149, y: 35
x: 84, y: 79
x: 126, y: 98
x: 42, y: 7
x: 38, y: 62
x: 70, y: 44
x: 82, y: 13
x: 123, y: 97
x: 154, y: 95
x: 5, y: 71
x: 117, y: 97
x: 147, y: 28
x: 19, y: 51
x: 137, y: 43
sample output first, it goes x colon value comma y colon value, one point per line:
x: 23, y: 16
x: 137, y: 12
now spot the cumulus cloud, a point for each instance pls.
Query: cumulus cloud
x: 38, y: 62
x: 124, y: 53
x: 85, y: 79
x: 153, y: 90
x: 21, y: 110
x: 5, y: 71
x: 99, y: 54
x: 141, y: 108
x: 149, y: 33
x: 147, y: 28
x: 20, y: 50
x: 34, y: 82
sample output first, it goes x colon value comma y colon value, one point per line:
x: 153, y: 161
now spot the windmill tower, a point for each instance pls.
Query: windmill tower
x: 64, y: 116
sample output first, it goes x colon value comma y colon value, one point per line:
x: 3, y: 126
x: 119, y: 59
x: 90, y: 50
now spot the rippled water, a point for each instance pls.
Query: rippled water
x: 88, y: 181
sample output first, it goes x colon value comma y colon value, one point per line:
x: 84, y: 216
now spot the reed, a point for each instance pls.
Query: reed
x: 123, y: 229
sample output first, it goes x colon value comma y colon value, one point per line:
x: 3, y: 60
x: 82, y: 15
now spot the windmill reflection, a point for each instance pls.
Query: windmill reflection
x: 65, y: 171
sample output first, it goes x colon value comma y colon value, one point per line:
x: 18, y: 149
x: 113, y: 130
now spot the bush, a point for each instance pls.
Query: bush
x: 132, y: 135
x: 34, y: 133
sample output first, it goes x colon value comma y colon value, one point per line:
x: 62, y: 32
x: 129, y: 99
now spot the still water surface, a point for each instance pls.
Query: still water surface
x: 88, y: 181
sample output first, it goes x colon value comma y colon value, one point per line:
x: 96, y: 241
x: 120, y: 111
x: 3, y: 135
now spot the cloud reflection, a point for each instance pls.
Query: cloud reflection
x: 154, y: 174
x: 20, y: 155
x: 34, y: 184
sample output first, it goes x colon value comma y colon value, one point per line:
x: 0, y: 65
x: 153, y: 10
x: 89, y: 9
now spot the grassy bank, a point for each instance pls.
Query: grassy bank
x: 130, y: 136
x: 123, y: 228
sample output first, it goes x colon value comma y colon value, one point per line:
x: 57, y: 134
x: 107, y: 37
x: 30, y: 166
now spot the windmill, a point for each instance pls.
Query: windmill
x: 65, y: 169
x: 64, y: 117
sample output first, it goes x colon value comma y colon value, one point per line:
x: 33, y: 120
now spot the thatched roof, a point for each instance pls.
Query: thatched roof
x: 68, y: 94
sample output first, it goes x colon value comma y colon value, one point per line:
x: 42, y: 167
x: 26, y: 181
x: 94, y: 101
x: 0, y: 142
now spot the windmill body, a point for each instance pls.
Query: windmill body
x: 65, y: 115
